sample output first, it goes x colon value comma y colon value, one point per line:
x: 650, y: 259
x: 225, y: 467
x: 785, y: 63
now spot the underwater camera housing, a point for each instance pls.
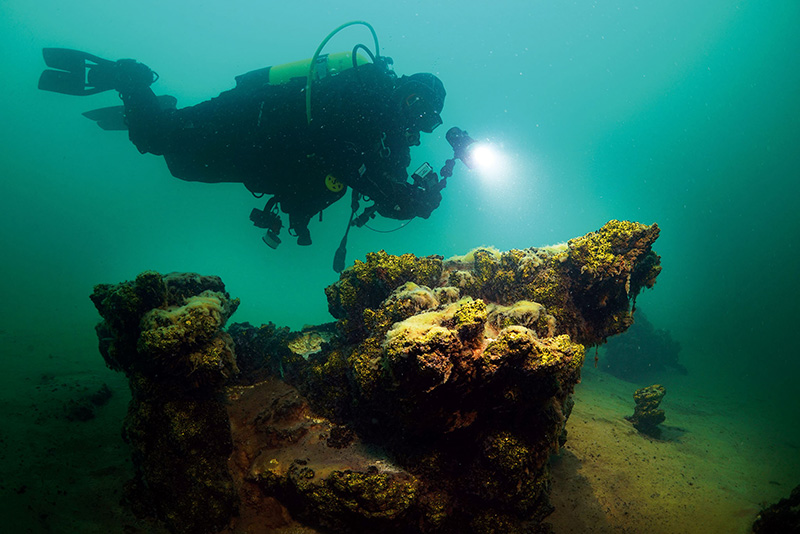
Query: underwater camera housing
x: 271, y: 221
x: 462, y: 144
x: 424, y: 176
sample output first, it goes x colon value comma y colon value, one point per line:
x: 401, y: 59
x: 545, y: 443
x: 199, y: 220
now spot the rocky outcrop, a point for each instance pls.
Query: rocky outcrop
x: 646, y: 413
x: 432, y: 404
x: 165, y: 333
x: 780, y: 518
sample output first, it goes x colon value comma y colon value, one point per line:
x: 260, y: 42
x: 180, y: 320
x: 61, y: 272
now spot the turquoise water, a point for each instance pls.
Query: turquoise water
x: 679, y: 113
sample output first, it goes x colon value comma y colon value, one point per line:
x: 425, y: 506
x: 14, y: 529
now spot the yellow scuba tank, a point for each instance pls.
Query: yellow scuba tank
x: 315, y: 68
x: 326, y: 65
x: 310, y: 74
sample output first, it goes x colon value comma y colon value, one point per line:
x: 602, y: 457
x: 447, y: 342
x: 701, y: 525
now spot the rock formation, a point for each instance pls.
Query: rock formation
x: 432, y: 404
x: 165, y: 333
x: 782, y: 517
x: 646, y: 413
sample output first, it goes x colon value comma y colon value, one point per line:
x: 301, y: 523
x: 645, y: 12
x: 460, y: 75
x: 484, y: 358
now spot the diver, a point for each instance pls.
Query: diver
x: 301, y: 133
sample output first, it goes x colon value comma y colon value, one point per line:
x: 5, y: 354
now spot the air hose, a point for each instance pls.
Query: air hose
x: 319, y: 49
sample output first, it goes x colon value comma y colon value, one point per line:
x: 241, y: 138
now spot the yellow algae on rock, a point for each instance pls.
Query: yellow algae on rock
x: 433, y: 403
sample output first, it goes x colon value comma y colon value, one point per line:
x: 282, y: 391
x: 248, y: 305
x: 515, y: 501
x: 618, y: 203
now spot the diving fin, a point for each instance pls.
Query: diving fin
x: 113, y: 118
x: 78, y: 73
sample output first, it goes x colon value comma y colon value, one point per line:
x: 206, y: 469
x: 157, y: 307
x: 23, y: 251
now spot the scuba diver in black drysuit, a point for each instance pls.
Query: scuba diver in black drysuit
x: 277, y: 133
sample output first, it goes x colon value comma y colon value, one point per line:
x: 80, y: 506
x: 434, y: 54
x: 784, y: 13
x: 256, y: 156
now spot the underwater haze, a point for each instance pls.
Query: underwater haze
x: 683, y: 113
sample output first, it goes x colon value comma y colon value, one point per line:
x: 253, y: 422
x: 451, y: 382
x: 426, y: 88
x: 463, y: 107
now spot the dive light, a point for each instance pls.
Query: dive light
x: 462, y: 145
x: 461, y: 142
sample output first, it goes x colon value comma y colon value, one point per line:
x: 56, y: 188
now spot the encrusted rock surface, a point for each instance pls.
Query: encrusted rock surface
x: 780, y: 518
x: 431, y: 405
x: 646, y: 414
x: 165, y: 333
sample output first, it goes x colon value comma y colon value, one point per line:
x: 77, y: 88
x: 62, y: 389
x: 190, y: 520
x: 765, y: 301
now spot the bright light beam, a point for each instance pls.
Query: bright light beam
x: 489, y: 161
x: 484, y: 156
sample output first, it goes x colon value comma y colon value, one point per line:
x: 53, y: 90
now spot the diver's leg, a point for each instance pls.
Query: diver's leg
x: 206, y: 142
x: 144, y: 117
x: 298, y: 224
x: 143, y: 113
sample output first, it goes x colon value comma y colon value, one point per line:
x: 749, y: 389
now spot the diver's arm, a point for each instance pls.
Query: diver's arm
x: 409, y: 201
x: 386, y: 183
x: 385, y: 180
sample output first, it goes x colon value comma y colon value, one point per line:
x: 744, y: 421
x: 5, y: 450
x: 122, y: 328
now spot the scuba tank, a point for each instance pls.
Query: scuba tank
x: 324, y: 65
x: 316, y: 68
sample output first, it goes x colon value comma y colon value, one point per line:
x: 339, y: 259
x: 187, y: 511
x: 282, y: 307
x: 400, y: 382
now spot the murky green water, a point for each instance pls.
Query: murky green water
x: 679, y: 113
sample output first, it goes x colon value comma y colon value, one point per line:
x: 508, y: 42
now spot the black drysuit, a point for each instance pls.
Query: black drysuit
x: 258, y: 134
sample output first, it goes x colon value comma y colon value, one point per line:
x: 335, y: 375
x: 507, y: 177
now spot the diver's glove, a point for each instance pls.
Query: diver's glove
x: 125, y: 76
x: 409, y: 201
x: 426, y: 200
